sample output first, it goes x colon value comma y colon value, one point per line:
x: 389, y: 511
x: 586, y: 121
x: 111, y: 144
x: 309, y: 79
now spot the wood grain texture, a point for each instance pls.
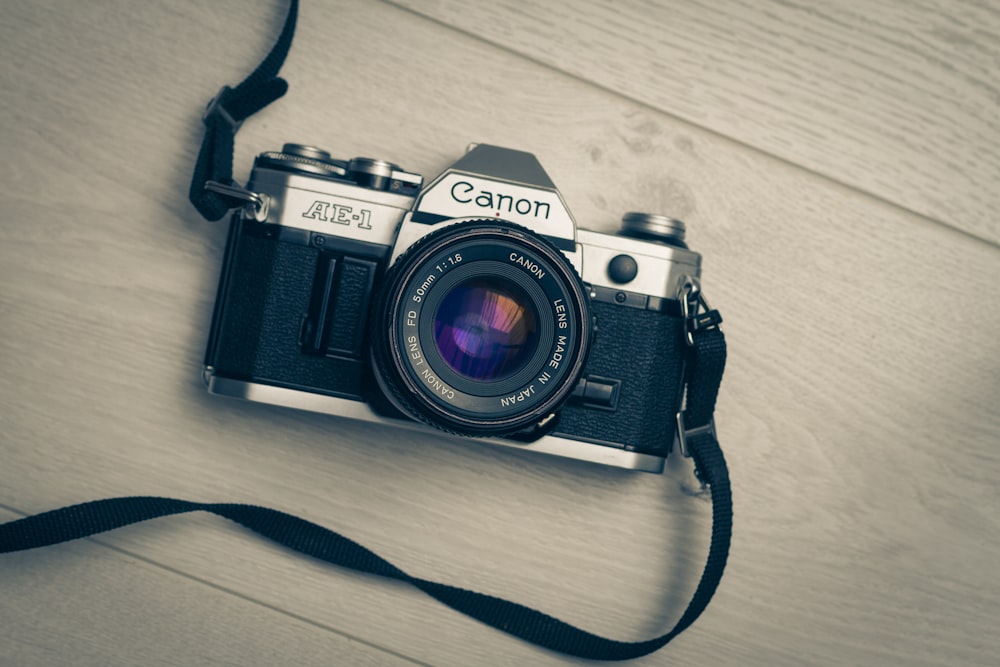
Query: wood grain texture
x: 858, y: 412
x: 897, y: 99
x: 94, y: 605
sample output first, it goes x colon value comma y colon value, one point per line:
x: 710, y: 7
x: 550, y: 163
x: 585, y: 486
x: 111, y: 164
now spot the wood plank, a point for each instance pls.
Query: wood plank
x: 858, y: 410
x: 87, y: 604
x: 896, y: 99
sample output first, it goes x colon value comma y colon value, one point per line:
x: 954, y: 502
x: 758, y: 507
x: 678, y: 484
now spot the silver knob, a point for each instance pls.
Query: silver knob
x: 653, y: 227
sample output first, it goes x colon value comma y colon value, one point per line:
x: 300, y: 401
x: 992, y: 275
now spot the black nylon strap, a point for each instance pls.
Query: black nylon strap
x: 703, y: 377
x: 92, y: 518
x: 224, y: 116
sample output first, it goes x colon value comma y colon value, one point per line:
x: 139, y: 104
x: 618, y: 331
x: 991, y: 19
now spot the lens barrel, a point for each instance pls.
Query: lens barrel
x: 481, y: 328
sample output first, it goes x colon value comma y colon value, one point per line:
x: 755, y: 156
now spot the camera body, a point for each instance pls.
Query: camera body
x: 473, y: 305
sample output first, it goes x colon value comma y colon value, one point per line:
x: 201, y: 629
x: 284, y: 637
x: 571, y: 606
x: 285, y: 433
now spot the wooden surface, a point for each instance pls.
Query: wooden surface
x: 837, y: 168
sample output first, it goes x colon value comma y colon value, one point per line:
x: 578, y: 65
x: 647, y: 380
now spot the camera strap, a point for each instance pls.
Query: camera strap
x: 705, y: 372
x: 223, y: 117
x: 696, y: 436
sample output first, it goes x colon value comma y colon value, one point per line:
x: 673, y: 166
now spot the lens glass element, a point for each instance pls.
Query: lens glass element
x: 486, y: 329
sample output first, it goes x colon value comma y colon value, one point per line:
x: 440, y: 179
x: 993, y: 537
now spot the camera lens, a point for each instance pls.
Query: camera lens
x: 481, y: 328
x: 486, y: 331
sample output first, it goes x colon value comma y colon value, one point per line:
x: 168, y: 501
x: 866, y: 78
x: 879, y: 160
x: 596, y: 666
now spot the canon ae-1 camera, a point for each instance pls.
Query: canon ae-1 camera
x: 473, y: 305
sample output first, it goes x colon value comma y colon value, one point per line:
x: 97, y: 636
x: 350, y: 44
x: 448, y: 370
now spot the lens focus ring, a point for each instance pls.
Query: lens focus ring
x: 481, y: 328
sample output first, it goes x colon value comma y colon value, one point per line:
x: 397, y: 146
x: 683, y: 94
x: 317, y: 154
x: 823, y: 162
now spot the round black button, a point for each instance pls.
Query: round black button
x: 622, y: 269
